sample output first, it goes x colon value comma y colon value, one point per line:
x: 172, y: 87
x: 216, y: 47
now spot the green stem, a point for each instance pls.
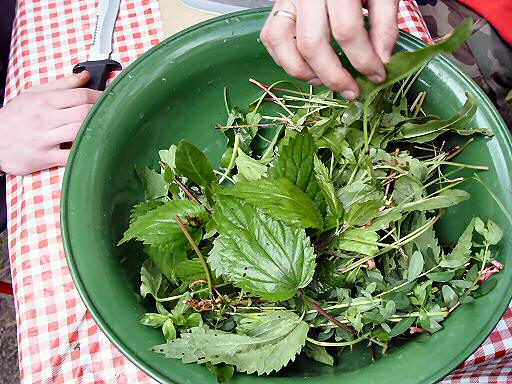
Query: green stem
x: 198, y: 252
x: 177, y: 297
x: 338, y: 344
x: 236, y: 145
x: 461, y: 165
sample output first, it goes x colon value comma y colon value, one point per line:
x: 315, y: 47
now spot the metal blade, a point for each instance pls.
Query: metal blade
x: 105, y: 21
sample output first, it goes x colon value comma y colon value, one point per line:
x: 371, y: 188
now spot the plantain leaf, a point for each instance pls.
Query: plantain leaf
x: 280, y: 198
x: 258, y: 253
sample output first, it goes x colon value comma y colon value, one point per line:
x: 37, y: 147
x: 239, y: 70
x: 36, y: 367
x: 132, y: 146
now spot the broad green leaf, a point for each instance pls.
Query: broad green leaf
x: 280, y: 198
x: 403, y: 64
x: 168, y: 156
x: 324, y: 181
x: 318, y: 353
x: 295, y: 162
x: 416, y: 264
x: 422, y: 133
x: 154, y: 320
x: 222, y: 372
x: 168, y: 330
x: 442, y: 200
x: 268, y: 345
x: 357, y: 192
x: 250, y: 169
x: 450, y: 298
x: 402, y: 326
x: 441, y: 276
x: 190, y: 270
x: 258, y: 253
x: 358, y: 240
x: 151, y: 278
x: 193, y: 164
x: 334, y: 139
x: 142, y: 208
x: 158, y: 226
x: 363, y: 213
x: 492, y: 232
x: 153, y: 183
x: 462, y: 251
x: 167, y: 257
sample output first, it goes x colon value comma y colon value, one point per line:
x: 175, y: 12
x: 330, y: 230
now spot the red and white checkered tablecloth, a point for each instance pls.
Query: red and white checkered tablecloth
x: 58, y: 340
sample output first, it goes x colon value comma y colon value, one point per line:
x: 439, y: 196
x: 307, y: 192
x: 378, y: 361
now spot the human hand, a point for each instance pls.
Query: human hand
x: 37, y: 122
x: 303, y: 46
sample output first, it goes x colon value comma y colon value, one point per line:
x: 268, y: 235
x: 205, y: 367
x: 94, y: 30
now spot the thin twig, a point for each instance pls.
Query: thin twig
x: 198, y: 252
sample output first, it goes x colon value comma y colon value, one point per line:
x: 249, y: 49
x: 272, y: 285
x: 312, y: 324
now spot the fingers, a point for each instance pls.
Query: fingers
x: 278, y: 35
x: 75, y: 80
x: 71, y: 115
x: 347, y: 26
x: 314, y: 43
x: 58, y: 157
x: 64, y: 134
x: 383, y: 26
x: 72, y: 97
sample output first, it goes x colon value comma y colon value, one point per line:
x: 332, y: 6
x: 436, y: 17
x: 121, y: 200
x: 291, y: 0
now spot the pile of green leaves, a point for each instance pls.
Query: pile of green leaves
x: 317, y: 231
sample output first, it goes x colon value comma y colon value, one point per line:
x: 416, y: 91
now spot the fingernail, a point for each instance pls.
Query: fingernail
x: 316, y: 82
x: 377, y: 78
x: 350, y: 95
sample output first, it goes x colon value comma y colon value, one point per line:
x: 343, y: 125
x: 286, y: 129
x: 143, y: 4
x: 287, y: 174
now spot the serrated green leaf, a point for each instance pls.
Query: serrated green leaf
x: 250, y: 169
x: 193, y: 164
x: 462, y: 251
x: 492, y: 232
x: 153, y: 183
x: 268, y: 345
x: 258, y: 253
x: 324, y: 181
x: 444, y: 199
x: 295, y: 162
x: 280, y: 198
x: 415, y: 268
x: 358, y: 240
x: 158, y: 226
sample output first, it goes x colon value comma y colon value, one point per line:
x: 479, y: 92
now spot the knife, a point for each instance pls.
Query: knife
x: 99, y: 64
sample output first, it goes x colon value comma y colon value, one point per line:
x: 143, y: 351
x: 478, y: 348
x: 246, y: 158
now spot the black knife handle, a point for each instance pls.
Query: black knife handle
x: 99, y: 71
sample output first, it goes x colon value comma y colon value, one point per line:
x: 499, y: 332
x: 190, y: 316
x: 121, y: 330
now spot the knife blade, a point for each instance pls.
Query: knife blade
x: 99, y: 64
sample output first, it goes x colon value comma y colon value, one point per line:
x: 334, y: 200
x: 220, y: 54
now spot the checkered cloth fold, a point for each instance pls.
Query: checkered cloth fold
x: 58, y: 340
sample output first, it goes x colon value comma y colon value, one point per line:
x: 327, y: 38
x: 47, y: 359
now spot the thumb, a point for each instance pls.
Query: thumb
x: 75, y: 80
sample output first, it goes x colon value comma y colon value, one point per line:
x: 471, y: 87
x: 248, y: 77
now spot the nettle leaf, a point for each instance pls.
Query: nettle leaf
x: 358, y: 240
x: 142, y: 208
x: 166, y: 258
x: 193, y: 164
x: 295, y: 162
x: 324, y: 181
x: 151, y: 278
x: 158, y: 226
x: 267, y: 345
x: 444, y: 199
x: 280, y: 198
x: 153, y: 183
x: 416, y: 264
x: 258, y: 253
x: 421, y: 133
x: 248, y: 168
x: 462, y: 251
x: 403, y: 64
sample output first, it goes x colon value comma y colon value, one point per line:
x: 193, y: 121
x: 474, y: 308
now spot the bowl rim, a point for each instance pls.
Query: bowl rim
x: 68, y: 176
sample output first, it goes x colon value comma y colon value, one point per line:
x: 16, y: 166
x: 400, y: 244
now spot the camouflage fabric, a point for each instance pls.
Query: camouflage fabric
x: 486, y: 57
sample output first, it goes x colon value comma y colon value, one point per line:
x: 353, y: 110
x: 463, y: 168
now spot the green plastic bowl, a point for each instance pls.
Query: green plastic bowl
x: 175, y: 91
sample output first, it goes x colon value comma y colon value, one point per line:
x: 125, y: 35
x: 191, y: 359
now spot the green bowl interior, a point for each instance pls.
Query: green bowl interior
x: 175, y: 91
